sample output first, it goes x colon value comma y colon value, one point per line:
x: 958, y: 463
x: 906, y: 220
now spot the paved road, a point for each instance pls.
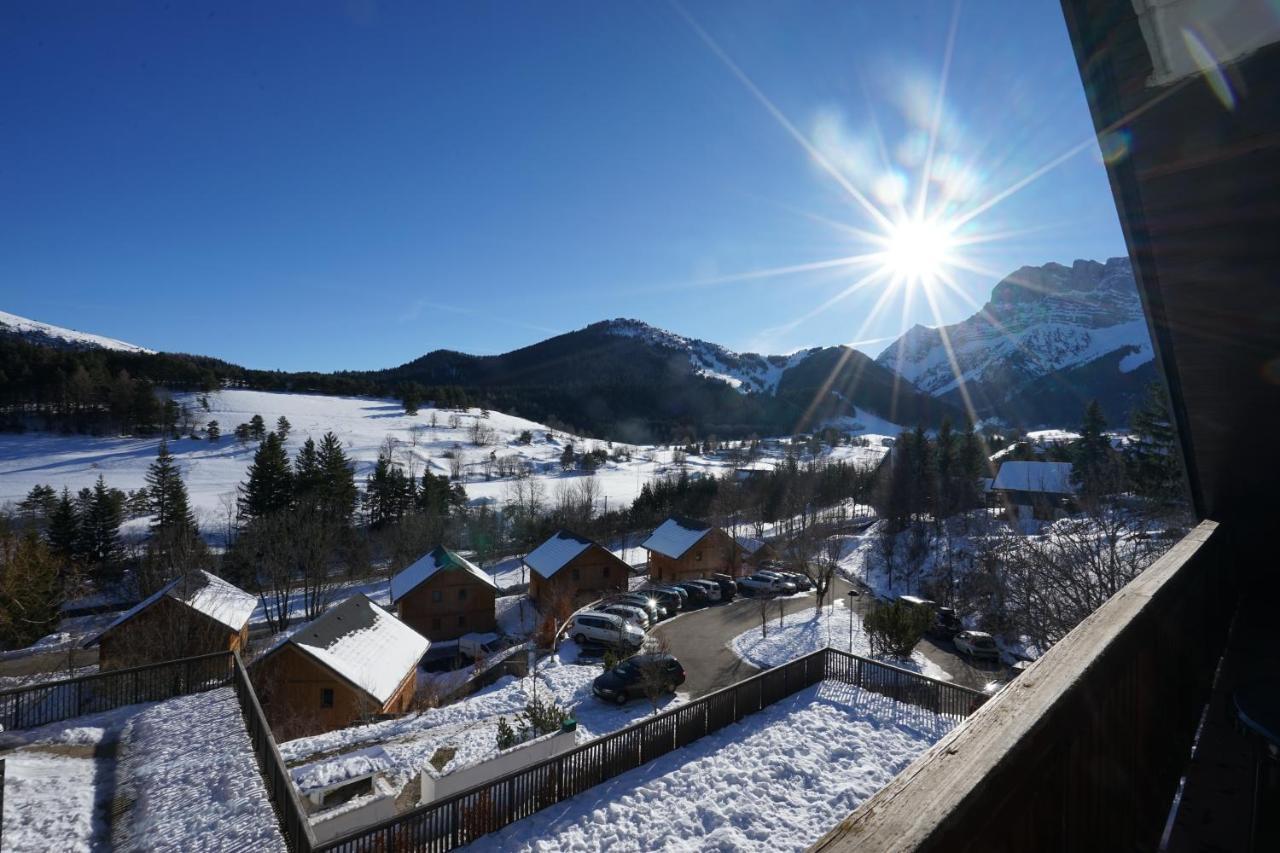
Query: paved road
x: 699, y: 639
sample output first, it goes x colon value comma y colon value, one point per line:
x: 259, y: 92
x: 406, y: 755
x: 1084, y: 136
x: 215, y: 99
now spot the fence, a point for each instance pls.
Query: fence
x: 53, y: 701
x: 457, y: 820
x: 290, y: 813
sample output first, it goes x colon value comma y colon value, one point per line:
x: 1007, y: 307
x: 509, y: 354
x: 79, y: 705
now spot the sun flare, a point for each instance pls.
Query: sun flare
x: 918, y: 250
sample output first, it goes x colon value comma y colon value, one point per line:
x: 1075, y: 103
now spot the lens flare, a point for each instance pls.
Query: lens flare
x: 918, y: 251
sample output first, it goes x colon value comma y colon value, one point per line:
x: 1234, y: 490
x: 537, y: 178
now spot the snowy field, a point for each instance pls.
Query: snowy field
x: 774, y: 782
x: 806, y: 631
x: 402, y: 747
x: 213, y: 471
x: 186, y: 765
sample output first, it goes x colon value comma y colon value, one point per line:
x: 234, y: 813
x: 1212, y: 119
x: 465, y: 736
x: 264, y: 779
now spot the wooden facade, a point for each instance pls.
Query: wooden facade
x: 301, y: 696
x: 166, y: 630
x: 714, y: 552
x: 594, y: 573
x: 449, y: 604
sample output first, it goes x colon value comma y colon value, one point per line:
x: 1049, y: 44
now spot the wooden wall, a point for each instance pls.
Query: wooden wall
x: 465, y: 605
x: 716, y: 552
x: 166, y: 630
x: 290, y: 685
x: 593, y: 573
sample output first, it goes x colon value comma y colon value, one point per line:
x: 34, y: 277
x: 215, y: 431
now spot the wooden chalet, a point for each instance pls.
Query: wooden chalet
x: 756, y: 552
x: 1034, y: 489
x: 684, y: 549
x: 444, y: 595
x: 352, y: 663
x: 574, y: 565
x: 195, y: 613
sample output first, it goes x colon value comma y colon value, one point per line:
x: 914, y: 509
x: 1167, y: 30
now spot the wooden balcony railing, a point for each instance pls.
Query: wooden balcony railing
x: 1085, y: 750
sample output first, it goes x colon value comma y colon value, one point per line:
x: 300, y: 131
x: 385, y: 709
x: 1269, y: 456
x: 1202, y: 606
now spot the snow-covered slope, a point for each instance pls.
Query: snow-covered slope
x: 44, y: 333
x: 748, y: 372
x: 1040, y: 322
x: 364, y: 426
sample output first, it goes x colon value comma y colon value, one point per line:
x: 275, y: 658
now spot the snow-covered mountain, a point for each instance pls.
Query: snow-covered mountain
x: 747, y: 372
x: 1050, y: 337
x: 50, y: 335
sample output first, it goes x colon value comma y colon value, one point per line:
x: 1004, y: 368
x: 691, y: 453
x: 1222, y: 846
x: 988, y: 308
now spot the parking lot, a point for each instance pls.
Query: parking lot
x: 699, y: 639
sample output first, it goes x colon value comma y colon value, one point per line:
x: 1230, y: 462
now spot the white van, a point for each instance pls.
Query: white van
x: 591, y: 626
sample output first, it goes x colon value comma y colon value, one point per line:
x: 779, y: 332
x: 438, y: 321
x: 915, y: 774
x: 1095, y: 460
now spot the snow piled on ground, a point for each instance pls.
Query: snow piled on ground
x: 469, y: 726
x: 806, y: 631
x: 186, y: 764
x: 49, y: 803
x: 776, y: 781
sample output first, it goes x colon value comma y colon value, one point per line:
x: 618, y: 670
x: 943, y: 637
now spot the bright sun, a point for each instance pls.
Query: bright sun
x: 918, y: 250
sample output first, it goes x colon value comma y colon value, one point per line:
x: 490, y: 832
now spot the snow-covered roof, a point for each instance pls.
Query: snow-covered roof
x: 1047, y: 477
x: 556, y: 552
x: 750, y: 544
x: 364, y: 644
x: 203, y: 592
x: 675, y: 536
x: 438, y: 559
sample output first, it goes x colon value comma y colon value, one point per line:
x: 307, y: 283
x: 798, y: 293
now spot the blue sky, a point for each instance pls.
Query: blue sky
x: 350, y: 185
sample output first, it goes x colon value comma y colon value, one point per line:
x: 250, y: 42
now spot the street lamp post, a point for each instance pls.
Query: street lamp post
x: 853, y: 593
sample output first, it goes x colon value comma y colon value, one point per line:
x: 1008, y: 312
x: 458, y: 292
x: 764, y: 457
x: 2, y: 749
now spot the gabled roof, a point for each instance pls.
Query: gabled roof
x: 438, y: 559
x: 750, y: 544
x: 559, y: 549
x: 363, y: 644
x: 675, y: 536
x: 205, y: 593
x: 1052, y: 478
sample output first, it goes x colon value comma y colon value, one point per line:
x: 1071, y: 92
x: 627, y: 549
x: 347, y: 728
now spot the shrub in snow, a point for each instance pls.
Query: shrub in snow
x: 894, y: 629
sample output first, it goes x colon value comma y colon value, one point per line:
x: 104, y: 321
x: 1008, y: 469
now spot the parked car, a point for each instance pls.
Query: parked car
x: 766, y: 584
x: 476, y: 646
x: 628, y: 679
x: 946, y: 624
x: 683, y: 593
x: 635, y: 615
x: 728, y: 586
x: 800, y: 579
x: 670, y: 598
x: 648, y: 603
x: 711, y: 587
x: 789, y: 586
x: 604, y: 628
x: 698, y: 596
x: 978, y: 644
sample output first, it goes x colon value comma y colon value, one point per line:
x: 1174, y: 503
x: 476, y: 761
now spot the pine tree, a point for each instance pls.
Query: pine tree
x: 308, y: 479
x: 169, y: 413
x: 169, y: 506
x: 101, y: 527
x: 243, y: 433
x: 411, y: 399
x: 269, y: 488
x: 33, y: 585
x: 39, y: 503
x: 213, y: 432
x: 1153, y: 457
x: 282, y: 427
x: 567, y: 457
x: 64, y: 528
x: 338, y: 479
x: 257, y: 428
x: 1093, y: 468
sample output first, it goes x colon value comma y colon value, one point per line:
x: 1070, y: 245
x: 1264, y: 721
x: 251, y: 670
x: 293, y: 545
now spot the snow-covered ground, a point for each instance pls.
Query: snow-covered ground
x: 806, y: 631
x: 776, y: 781
x: 186, y: 765
x: 402, y: 747
x: 213, y: 471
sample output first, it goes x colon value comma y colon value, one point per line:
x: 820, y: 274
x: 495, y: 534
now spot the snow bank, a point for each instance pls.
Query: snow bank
x: 49, y: 803
x: 806, y: 631
x: 776, y: 781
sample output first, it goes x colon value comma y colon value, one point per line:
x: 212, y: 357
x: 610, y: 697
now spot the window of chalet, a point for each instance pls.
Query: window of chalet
x: 437, y: 595
x: 697, y: 556
x: 462, y: 593
x: 577, y: 575
x: 326, y: 697
x: 604, y: 571
x: 462, y: 621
